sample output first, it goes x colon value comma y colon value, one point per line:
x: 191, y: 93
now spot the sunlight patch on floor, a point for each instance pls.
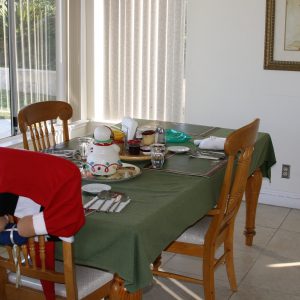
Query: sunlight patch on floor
x: 285, y: 265
x: 168, y: 290
x: 187, y: 290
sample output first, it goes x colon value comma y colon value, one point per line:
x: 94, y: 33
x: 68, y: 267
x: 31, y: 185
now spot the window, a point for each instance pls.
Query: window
x: 139, y: 59
x: 28, y: 66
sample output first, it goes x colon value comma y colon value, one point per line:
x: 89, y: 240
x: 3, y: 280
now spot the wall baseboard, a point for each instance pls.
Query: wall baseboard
x: 279, y: 198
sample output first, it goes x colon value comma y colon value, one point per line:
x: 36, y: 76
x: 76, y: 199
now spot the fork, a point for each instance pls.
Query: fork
x: 103, y: 195
x: 116, y: 200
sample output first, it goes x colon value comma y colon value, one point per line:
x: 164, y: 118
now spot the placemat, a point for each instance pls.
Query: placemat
x: 185, y: 165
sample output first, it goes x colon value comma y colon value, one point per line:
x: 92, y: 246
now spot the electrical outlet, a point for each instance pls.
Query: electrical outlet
x: 286, y: 171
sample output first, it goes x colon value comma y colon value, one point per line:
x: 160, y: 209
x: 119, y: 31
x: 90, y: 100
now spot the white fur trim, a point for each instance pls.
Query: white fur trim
x: 39, y: 224
x: 26, y: 207
x: 67, y: 239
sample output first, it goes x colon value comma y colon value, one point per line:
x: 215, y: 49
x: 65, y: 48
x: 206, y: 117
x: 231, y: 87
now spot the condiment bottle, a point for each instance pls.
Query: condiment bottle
x: 160, y: 135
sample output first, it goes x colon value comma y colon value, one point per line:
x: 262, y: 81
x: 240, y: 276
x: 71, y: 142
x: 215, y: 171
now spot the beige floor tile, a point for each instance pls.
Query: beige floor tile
x: 192, y: 266
x: 186, y: 265
x: 245, y: 257
x: 292, y: 221
x: 279, y: 279
x: 284, y: 244
x: 258, y: 293
x: 165, y: 257
x: 243, y: 262
x: 170, y: 289
x: 261, y: 239
x: 266, y: 215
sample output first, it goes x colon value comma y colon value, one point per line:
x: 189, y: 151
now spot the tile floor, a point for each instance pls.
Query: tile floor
x: 269, y: 270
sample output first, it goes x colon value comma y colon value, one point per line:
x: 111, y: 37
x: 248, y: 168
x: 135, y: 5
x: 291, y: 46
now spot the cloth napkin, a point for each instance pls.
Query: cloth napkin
x: 175, y: 136
x: 106, y: 205
x: 60, y: 153
x: 129, y: 125
x: 212, y: 142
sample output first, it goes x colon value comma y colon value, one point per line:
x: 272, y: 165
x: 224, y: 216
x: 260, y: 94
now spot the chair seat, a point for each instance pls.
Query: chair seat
x: 88, y: 280
x: 196, y: 233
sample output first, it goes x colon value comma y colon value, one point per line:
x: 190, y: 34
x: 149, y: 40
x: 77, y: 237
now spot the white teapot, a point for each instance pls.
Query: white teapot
x: 104, y: 157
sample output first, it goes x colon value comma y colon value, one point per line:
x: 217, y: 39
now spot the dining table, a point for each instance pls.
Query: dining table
x: 164, y: 202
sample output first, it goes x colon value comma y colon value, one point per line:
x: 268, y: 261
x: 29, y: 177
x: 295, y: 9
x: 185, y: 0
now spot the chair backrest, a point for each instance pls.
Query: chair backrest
x: 30, y: 266
x: 238, y: 147
x: 40, y: 118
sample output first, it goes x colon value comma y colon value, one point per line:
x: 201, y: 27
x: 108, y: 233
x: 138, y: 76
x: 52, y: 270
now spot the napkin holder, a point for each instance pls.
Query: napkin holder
x: 129, y: 127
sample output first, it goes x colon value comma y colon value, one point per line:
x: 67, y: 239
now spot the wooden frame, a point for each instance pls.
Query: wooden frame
x: 271, y: 62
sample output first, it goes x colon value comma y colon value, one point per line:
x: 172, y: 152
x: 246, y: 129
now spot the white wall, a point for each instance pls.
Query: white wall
x: 227, y: 85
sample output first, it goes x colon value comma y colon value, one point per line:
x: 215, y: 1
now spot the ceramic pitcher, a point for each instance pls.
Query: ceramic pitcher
x: 104, y: 158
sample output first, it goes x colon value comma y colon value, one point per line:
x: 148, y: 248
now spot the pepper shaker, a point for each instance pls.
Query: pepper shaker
x: 160, y: 135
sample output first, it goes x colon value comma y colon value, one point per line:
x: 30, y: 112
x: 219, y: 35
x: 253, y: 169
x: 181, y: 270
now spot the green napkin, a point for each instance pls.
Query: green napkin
x: 174, y: 136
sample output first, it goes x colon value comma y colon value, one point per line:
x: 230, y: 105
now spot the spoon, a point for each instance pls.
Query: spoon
x: 123, y: 199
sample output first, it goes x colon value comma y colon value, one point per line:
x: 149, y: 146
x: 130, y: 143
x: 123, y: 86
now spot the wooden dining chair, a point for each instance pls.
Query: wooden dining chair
x: 71, y: 282
x: 40, y: 118
x: 216, y: 229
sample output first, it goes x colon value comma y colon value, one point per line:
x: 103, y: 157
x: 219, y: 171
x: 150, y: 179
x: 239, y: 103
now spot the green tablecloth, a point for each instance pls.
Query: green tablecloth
x: 163, y: 205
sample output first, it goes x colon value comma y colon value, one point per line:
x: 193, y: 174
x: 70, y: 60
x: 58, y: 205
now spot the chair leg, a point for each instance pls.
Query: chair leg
x: 157, y: 263
x: 3, y: 280
x: 228, y: 249
x: 208, y: 277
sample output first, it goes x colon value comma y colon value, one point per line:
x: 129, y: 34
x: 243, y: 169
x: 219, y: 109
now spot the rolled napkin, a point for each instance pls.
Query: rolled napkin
x: 212, y: 142
x: 129, y: 126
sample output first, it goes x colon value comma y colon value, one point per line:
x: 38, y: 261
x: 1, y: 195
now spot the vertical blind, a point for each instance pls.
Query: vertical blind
x: 27, y: 56
x: 143, y: 59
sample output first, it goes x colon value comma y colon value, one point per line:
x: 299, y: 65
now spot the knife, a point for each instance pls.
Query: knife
x: 117, y: 199
x: 205, y: 157
x: 91, y: 203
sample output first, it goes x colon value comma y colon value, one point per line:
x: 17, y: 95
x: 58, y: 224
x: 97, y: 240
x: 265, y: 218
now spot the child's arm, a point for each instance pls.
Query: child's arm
x: 25, y: 227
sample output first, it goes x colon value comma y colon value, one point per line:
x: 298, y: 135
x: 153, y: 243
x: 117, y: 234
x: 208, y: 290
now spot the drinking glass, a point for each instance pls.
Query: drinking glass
x: 157, y: 155
x: 84, y: 147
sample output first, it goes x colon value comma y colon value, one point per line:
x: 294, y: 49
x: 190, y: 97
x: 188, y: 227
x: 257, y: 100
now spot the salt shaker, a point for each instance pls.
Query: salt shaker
x: 160, y: 135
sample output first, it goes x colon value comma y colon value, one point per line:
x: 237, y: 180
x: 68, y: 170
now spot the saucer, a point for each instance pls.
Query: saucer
x: 178, y: 149
x: 95, y: 188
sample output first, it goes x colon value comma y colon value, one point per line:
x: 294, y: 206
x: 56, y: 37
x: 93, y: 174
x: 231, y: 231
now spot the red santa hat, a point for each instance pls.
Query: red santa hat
x: 52, y: 182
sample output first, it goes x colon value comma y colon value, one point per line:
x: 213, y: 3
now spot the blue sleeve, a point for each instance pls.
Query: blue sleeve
x: 10, y: 236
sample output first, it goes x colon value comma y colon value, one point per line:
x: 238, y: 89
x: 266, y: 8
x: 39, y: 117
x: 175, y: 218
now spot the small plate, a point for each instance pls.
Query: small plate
x: 95, y: 188
x: 178, y: 149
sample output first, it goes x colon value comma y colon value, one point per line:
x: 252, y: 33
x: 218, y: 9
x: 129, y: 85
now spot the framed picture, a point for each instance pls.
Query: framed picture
x: 282, y: 37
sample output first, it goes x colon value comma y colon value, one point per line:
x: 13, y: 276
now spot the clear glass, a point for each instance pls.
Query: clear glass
x: 84, y: 147
x: 157, y: 155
